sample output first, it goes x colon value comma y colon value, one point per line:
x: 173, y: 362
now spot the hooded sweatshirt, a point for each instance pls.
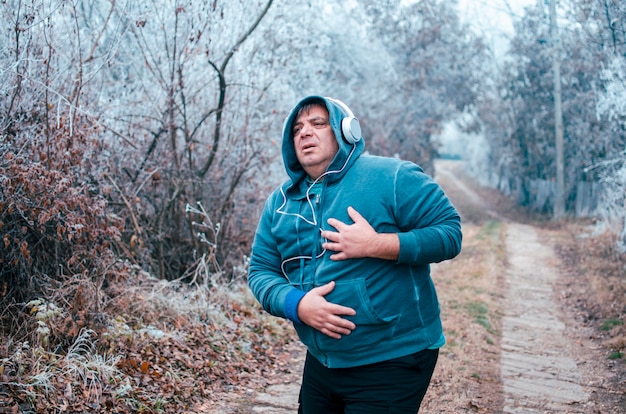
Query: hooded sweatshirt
x: 397, y: 310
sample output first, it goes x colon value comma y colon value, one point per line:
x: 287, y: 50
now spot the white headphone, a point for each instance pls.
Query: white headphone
x: 350, y: 126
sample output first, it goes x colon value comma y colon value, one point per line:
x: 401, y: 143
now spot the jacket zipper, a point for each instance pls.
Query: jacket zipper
x: 317, y: 248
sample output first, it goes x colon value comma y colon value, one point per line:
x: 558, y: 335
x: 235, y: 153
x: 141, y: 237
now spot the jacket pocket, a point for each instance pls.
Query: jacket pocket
x: 370, y: 327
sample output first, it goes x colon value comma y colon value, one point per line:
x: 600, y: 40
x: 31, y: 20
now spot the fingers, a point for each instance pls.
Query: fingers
x: 342, y: 310
x: 332, y: 323
x: 355, y: 215
x: 325, y: 289
x: 316, y: 311
x: 338, y: 225
x: 359, y: 226
x: 338, y: 256
x: 336, y: 327
x: 335, y: 331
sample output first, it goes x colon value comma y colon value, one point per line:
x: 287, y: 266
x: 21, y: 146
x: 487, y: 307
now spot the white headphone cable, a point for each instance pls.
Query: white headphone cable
x: 314, y: 222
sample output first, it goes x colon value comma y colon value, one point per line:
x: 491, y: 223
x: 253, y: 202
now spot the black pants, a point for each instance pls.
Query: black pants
x: 395, y: 386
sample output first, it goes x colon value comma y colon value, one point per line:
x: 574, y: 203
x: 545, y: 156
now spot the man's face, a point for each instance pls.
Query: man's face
x: 314, y: 141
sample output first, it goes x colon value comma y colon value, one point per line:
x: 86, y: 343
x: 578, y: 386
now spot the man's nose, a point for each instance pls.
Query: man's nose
x: 306, y: 130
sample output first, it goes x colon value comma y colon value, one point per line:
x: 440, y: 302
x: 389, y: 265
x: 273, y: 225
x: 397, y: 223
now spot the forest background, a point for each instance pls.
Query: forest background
x: 138, y: 140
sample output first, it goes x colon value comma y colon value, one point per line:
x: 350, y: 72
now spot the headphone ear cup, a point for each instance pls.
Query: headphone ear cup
x: 351, y: 129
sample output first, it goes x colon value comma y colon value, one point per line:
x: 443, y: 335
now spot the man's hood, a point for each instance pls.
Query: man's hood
x: 346, y: 155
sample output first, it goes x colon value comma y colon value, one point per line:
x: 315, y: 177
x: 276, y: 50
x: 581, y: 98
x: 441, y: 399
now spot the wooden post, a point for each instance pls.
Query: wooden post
x: 559, y: 197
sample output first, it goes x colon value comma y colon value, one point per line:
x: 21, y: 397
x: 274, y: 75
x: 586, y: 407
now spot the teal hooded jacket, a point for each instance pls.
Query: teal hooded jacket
x: 397, y: 310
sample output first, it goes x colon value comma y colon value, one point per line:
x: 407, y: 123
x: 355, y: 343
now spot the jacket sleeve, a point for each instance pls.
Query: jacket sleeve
x: 270, y: 287
x: 430, y: 226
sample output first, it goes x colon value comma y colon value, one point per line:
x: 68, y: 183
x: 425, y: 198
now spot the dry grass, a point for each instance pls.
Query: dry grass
x: 161, y: 346
x: 129, y: 342
x: 595, y: 289
x: 467, y: 378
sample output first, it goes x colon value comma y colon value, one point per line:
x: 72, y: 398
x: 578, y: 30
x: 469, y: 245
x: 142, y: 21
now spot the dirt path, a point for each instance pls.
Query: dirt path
x: 539, y: 373
x: 279, y: 397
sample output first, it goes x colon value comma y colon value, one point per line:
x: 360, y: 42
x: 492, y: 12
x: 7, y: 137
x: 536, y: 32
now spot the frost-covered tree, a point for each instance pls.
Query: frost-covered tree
x: 612, y: 171
x: 524, y: 140
x: 158, y: 89
x: 183, y: 103
x: 436, y: 61
x: 609, y: 31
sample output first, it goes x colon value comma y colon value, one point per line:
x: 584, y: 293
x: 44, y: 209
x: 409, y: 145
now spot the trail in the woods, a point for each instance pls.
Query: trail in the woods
x: 538, y: 369
x: 539, y: 372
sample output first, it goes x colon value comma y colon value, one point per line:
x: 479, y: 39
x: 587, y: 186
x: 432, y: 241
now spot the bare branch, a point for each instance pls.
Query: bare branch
x: 222, y: 93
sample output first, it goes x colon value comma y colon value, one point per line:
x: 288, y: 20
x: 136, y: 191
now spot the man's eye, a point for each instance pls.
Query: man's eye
x: 320, y: 124
x: 297, y: 129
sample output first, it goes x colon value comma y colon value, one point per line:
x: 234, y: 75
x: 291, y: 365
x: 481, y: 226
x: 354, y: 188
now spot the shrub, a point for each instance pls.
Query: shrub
x: 54, y: 230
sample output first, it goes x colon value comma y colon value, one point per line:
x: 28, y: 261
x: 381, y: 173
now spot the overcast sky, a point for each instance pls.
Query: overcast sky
x: 493, y: 18
x: 493, y: 14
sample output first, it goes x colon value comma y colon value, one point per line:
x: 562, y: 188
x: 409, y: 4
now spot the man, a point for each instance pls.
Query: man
x: 343, y: 250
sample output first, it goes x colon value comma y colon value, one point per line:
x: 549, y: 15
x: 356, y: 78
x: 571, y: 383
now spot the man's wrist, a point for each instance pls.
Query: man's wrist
x: 292, y: 300
x: 385, y: 246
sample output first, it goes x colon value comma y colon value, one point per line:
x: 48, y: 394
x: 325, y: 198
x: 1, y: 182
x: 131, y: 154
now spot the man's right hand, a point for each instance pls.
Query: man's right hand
x: 315, y: 311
